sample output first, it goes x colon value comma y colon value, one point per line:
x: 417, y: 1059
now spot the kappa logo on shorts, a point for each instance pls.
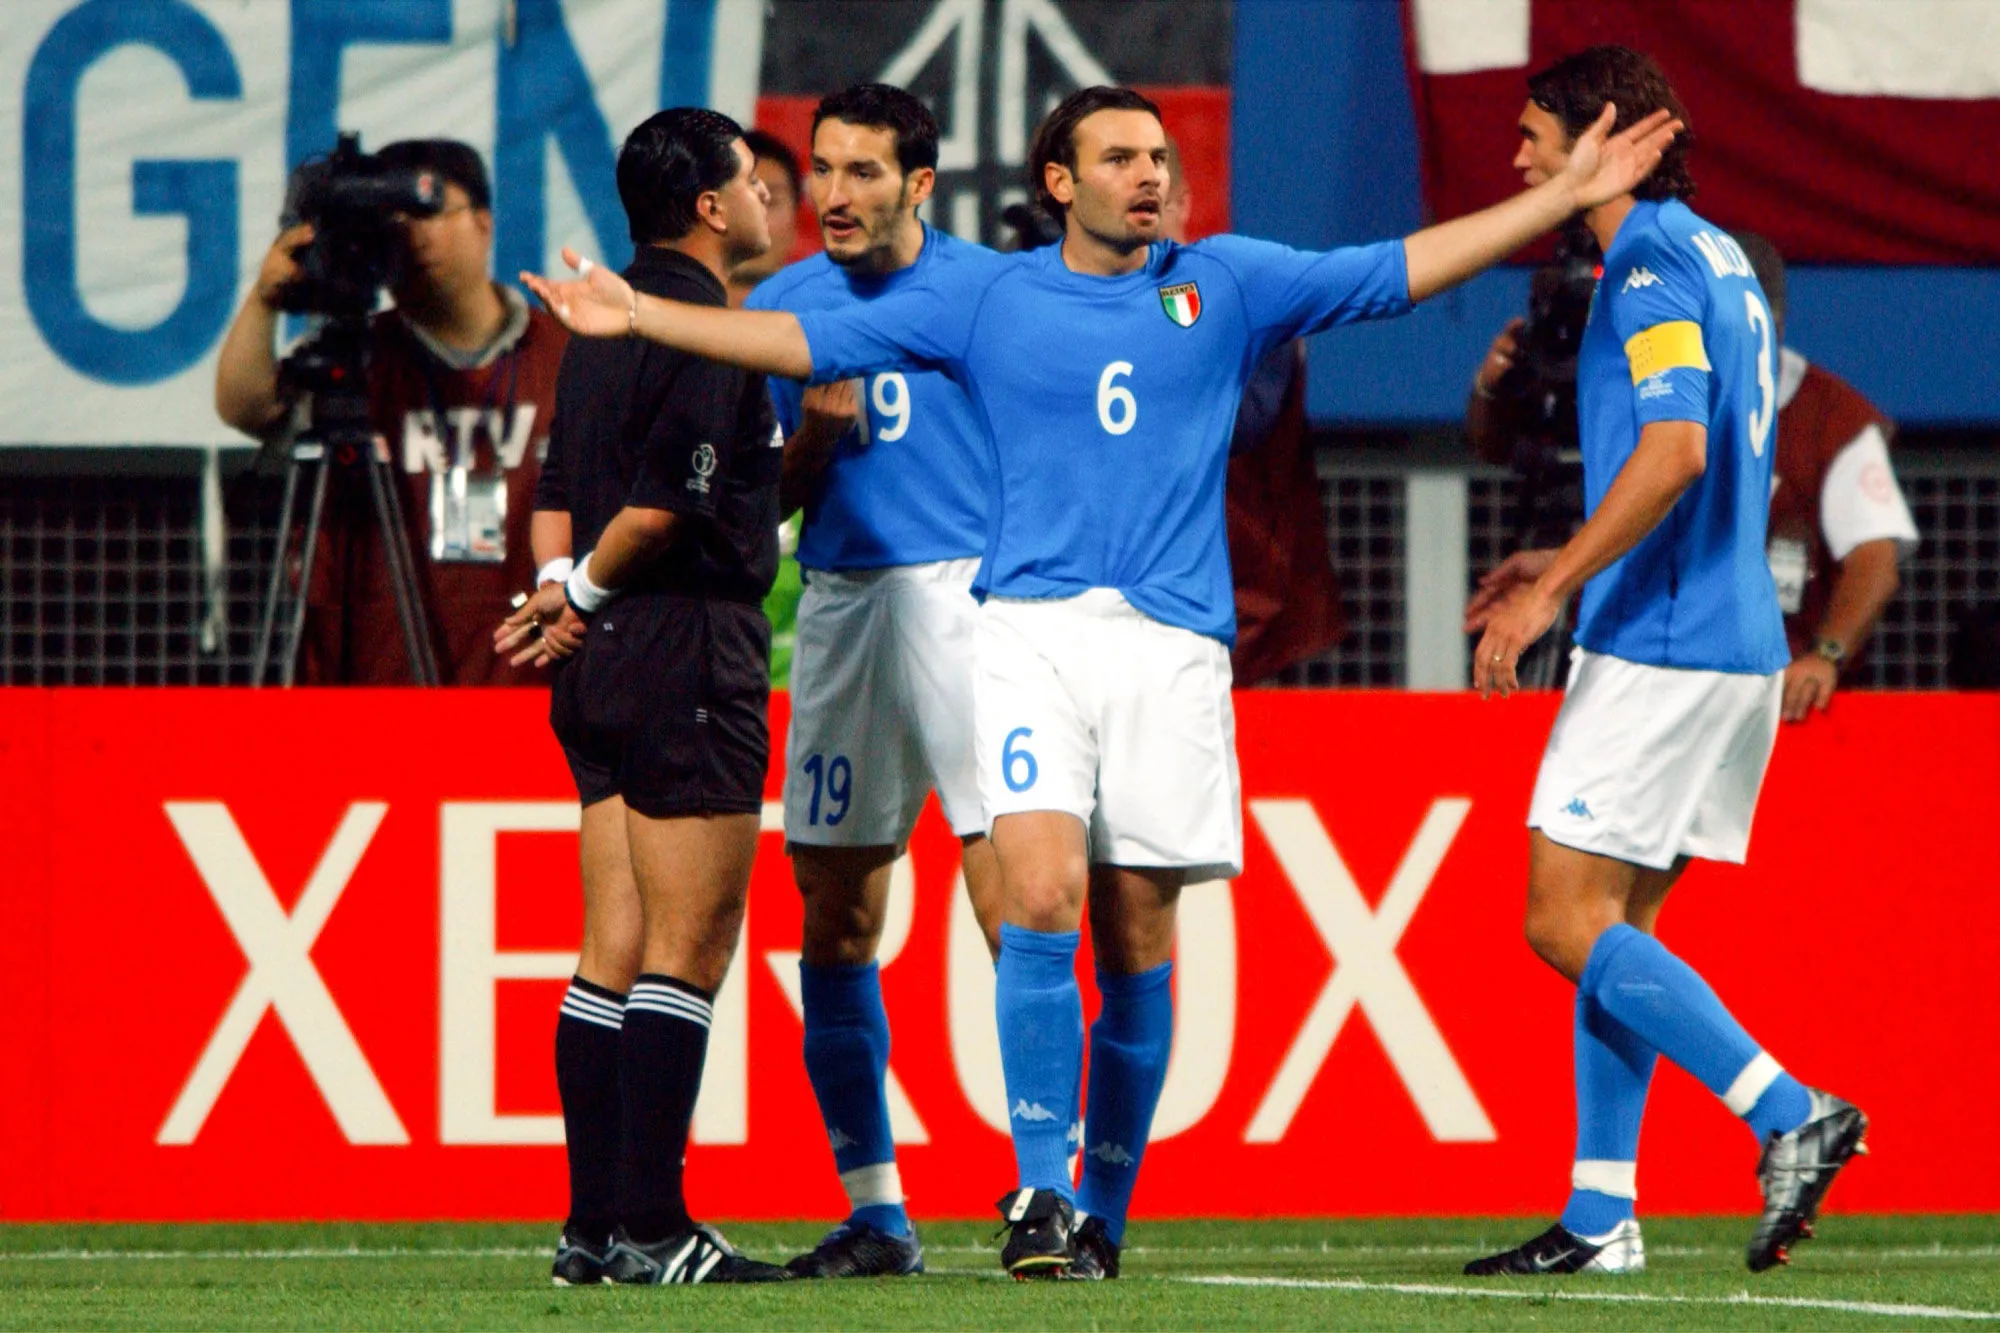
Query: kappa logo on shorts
x: 1182, y: 303
x: 704, y: 468
x: 1578, y: 809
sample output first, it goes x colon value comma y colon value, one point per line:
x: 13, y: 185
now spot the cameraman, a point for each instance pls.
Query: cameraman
x: 461, y: 384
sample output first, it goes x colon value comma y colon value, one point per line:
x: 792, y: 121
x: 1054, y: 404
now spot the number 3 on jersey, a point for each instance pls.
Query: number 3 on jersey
x: 1767, y: 387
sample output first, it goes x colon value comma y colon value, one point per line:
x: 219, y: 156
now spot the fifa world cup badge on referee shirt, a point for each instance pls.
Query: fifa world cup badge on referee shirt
x: 1182, y: 303
x: 704, y: 468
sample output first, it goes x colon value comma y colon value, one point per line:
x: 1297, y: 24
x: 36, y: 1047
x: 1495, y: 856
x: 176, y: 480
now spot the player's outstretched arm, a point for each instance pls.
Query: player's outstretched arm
x: 1601, y: 167
x: 597, y: 303
x: 1671, y: 456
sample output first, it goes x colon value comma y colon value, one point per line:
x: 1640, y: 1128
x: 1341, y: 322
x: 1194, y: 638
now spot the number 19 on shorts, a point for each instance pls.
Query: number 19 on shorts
x: 833, y: 782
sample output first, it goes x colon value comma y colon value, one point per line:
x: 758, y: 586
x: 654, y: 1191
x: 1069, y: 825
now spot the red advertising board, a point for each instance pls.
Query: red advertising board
x: 298, y: 955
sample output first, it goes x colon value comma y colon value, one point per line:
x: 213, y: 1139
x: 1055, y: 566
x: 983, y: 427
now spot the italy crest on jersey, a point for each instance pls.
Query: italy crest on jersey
x: 1182, y: 303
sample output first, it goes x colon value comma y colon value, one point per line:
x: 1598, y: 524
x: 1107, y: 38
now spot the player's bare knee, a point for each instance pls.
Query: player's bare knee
x: 1045, y: 896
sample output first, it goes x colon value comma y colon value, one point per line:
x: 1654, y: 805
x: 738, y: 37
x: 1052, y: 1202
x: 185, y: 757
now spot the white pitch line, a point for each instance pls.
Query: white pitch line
x: 1605, y: 1297
x: 1819, y: 1250
x: 304, y: 1252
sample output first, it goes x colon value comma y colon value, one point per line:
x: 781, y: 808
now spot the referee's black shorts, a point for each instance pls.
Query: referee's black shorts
x: 665, y: 705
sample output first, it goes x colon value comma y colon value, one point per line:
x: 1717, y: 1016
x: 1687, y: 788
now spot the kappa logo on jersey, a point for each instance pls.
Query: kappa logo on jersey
x: 1182, y: 303
x: 704, y: 468
x: 1638, y: 278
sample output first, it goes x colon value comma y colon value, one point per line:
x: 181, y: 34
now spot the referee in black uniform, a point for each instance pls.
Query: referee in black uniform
x: 668, y: 468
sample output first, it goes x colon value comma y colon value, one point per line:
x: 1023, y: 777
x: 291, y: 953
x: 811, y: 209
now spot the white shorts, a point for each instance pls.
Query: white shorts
x: 882, y: 705
x: 1089, y: 706
x: 1649, y: 764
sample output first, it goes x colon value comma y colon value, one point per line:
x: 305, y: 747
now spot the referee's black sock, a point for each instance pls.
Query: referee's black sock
x: 659, y: 1064
x: 587, y: 1045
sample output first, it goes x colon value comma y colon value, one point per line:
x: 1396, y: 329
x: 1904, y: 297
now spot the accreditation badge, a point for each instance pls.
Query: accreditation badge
x: 1788, y: 571
x: 468, y: 516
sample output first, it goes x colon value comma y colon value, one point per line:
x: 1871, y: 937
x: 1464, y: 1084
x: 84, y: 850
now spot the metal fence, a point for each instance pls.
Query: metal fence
x: 108, y: 578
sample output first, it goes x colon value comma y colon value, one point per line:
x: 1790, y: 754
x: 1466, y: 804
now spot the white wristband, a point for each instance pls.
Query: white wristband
x: 584, y: 595
x: 556, y: 571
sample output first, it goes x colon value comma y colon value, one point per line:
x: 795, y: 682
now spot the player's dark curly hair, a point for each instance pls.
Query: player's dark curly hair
x: 1575, y: 89
x: 1055, y: 138
x: 668, y: 163
x: 882, y: 106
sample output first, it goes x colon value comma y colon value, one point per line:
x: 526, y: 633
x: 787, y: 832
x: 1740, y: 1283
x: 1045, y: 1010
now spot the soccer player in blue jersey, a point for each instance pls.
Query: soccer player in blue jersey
x: 1672, y: 706
x: 896, y: 488
x: 1106, y: 371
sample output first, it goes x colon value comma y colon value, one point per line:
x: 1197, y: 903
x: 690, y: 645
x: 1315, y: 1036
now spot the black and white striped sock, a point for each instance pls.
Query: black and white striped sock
x: 664, y: 1044
x: 587, y: 1043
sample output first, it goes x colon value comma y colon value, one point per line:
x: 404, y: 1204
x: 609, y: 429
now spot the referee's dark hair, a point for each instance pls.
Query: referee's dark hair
x: 882, y: 106
x: 1575, y: 89
x: 668, y: 163
x: 1055, y: 138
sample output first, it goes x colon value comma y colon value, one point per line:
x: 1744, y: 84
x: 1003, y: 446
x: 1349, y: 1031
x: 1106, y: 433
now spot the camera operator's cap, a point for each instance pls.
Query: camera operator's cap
x: 459, y: 164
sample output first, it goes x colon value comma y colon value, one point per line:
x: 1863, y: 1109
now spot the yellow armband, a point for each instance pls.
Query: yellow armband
x: 1664, y: 347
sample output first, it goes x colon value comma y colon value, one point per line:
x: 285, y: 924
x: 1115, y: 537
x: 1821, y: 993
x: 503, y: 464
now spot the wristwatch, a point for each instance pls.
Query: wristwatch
x: 1831, y: 650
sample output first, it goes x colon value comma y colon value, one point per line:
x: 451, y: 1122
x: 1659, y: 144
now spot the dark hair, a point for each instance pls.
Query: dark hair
x: 1055, y: 137
x: 768, y: 147
x: 1575, y: 89
x: 457, y: 163
x: 669, y: 162
x: 1769, y: 266
x: 882, y: 106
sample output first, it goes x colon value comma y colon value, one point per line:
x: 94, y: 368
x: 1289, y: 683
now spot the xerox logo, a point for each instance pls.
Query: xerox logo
x: 283, y: 979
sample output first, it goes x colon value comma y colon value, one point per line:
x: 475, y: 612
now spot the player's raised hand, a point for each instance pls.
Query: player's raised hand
x: 1522, y: 567
x: 597, y: 303
x: 1603, y: 165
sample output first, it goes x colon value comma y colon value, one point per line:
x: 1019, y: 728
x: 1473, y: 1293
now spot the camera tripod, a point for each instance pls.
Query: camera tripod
x: 340, y: 435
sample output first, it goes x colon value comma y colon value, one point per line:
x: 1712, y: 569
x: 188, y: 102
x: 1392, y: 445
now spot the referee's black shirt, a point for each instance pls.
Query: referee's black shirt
x: 641, y: 424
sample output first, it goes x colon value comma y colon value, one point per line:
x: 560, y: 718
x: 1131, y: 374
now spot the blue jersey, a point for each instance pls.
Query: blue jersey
x: 1110, y: 400
x: 1680, y: 331
x: 912, y: 482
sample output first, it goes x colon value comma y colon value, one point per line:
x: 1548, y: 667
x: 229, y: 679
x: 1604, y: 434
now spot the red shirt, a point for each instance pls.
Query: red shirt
x: 492, y: 418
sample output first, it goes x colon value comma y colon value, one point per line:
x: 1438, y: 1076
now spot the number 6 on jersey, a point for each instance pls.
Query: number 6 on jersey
x: 1117, y: 409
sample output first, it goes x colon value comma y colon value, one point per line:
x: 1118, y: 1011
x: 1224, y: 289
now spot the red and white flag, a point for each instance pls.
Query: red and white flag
x: 1846, y: 131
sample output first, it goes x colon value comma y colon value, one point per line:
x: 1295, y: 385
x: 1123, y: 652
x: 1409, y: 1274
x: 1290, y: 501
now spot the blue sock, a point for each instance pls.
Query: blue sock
x: 847, y: 1059
x: 1129, y: 1046
x: 1665, y: 1003
x: 1614, y: 1068
x: 1040, y: 1013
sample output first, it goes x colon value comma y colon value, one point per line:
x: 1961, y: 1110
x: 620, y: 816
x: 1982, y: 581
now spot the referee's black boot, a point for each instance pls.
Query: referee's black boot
x: 579, y: 1261
x: 696, y: 1255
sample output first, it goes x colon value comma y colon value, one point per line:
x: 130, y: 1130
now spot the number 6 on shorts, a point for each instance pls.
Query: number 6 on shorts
x: 1012, y: 760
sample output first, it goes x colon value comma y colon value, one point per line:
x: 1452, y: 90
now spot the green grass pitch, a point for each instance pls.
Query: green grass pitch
x: 1863, y: 1273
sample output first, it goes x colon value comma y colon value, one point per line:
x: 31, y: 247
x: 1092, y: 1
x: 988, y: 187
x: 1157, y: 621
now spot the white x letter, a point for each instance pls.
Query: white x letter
x: 282, y: 976
x: 1367, y: 971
